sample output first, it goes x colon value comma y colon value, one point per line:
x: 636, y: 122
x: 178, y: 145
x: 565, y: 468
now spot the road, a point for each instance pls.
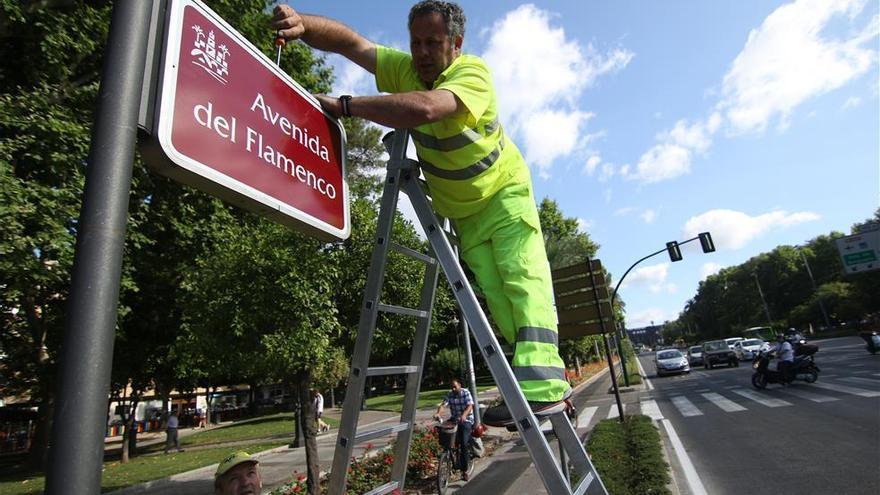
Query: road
x: 816, y: 438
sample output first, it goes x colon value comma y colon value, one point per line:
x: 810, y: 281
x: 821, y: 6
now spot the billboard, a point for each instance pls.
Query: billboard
x: 860, y: 252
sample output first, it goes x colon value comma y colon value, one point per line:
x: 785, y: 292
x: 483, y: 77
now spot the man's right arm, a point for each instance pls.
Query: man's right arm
x: 325, y: 34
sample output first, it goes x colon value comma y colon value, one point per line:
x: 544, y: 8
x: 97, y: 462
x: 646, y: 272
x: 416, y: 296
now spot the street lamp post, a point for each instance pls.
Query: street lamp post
x: 763, y: 301
x: 674, y: 251
x: 815, y: 289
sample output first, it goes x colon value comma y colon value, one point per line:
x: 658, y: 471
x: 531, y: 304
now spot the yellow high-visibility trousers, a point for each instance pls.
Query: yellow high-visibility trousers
x: 503, y: 245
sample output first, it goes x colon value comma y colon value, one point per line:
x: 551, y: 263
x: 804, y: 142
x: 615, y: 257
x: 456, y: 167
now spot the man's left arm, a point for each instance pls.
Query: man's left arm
x: 400, y: 110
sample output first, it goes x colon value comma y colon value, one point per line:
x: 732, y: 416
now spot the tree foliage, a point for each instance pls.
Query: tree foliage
x: 730, y: 301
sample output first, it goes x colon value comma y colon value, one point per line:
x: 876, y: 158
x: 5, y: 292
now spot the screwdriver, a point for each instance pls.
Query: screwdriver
x: 279, y: 42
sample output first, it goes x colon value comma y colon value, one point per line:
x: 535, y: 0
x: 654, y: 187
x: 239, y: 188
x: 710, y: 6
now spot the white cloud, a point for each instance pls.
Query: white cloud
x: 607, y: 172
x: 648, y: 316
x: 734, y: 229
x: 662, y: 162
x: 584, y: 225
x: 626, y: 210
x: 652, y: 277
x: 851, y: 102
x: 609, y: 193
x: 649, y: 216
x: 592, y: 162
x: 539, y: 79
x: 785, y: 62
x: 550, y: 134
x: 350, y: 78
x: 789, y: 59
x: 710, y: 268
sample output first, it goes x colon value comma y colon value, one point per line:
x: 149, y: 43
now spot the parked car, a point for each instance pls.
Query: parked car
x: 747, y: 349
x: 717, y: 352
x: 732, y: 341
x: 695, y: 355
x: 670, y: 361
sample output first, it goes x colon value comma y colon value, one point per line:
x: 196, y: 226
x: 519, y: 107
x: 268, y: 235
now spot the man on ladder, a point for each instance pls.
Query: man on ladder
x: 476, y: 175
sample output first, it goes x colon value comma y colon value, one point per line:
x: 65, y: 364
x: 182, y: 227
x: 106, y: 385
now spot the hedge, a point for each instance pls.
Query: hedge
x: 629, y: 456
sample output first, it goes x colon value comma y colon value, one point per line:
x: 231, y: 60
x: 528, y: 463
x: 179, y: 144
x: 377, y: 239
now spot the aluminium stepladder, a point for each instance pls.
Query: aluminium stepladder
x: 402, y: 174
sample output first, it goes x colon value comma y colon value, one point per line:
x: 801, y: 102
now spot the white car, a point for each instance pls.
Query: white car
x: 670, y: 361
x: 747, y: 349
x: 732, y: 341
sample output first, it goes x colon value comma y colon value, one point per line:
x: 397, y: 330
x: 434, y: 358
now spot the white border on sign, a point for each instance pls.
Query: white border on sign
x: 166, y: 114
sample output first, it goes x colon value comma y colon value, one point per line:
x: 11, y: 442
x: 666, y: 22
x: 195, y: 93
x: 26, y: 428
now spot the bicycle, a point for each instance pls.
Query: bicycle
x: 447, y: 464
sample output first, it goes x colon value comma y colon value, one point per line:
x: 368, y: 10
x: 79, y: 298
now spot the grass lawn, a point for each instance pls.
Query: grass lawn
x: 263, y: 427
x: 140, y: 469
x: 427, y: 398
x: 275, y: 430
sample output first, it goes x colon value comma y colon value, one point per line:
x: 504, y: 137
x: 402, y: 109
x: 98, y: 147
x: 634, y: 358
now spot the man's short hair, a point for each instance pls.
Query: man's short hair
x: 452, y: 14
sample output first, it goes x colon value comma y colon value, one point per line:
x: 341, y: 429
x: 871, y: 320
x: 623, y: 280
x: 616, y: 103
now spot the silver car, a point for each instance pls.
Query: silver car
x: 669, y: 361
x: 746, y: 350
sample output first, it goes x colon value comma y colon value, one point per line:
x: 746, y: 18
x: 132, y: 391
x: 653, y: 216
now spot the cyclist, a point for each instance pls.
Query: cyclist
x: 461, y: 411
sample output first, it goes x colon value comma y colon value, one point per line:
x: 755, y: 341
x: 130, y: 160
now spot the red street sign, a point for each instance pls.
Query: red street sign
x: 233, y: 124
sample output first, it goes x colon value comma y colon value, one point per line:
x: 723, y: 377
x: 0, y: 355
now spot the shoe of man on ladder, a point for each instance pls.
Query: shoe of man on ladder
x: 476, y: 175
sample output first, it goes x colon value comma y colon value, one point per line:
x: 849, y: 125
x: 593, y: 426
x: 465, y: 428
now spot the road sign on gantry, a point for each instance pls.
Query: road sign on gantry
x: 860, y: 252
x: 234, y: 125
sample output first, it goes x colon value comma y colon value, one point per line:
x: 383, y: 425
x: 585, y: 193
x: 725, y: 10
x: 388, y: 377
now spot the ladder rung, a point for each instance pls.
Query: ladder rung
x: 418, y: 313
x: 584, y: 484
x: 381, y: 490
x: 391, y: 370
x: 380, y: 432
x: 412, y: 253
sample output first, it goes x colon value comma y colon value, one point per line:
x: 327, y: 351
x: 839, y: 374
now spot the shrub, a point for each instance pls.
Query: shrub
x: 628, y: 456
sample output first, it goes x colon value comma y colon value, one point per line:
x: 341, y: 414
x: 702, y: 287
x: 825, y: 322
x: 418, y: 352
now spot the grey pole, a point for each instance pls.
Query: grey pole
x: 80, y: 421
x: 763, y: 301
x: 815, y: 289
x: 469, y: 357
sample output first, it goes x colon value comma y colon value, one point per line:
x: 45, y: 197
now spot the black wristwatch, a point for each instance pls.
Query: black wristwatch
x: 344, y: 102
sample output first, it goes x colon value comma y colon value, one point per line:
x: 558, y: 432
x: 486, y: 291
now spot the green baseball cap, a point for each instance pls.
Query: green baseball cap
x: 232, y: 461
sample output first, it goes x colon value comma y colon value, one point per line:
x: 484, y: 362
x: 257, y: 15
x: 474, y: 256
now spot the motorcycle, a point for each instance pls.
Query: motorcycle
x: 803, y: 368
x: 872, y: 341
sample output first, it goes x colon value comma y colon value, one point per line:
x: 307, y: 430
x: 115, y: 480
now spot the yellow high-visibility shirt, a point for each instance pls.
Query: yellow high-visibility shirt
x: 466, y: 158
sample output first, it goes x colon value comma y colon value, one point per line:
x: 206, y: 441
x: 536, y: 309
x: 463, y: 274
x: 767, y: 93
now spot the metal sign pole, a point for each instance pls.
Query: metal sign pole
x: 80, y: 419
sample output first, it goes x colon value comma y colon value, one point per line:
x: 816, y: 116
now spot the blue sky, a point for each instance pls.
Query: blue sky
x: 755, y: 120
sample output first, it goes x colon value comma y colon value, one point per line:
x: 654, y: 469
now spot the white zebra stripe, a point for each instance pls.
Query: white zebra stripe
x: 847, y: 390
x: 724, y: 403
x: 808, y: 395
x: 748, y: 394
x: 686, y: 407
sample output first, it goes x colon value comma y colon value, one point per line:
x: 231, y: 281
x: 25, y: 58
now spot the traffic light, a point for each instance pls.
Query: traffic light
x: 674, y: 250
x: 706, y: 242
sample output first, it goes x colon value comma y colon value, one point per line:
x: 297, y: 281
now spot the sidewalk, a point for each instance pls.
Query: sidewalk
x: 510, y: 471
x: 277, y: 465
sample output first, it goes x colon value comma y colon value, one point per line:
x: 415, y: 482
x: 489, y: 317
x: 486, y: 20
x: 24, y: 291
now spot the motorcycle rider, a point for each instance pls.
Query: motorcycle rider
x: 785, y: 354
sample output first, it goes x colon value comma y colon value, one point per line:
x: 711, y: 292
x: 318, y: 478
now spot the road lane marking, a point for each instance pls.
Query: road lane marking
x: 808, y: 395
x: 703, y: 390
x: 724, y: 403
x: 651, y: 409
x: 585, y: 416
x: 857, y: 379
x: 645, y: 375
x: 613, y: 413
x: 748, y: 394
x: 685, y: 407
x: 690, y: 472
x: 847, y: 390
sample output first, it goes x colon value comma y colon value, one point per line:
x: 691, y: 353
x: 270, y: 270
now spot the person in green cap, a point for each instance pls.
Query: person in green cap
x: 476, y: 175
x: 238, y: 474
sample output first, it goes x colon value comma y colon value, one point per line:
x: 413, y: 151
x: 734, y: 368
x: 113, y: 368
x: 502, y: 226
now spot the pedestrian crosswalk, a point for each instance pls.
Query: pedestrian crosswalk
x: 691, y: 402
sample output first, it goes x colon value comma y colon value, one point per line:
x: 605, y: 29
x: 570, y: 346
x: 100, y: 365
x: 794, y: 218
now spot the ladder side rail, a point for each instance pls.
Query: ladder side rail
x: 565, y: 433
x: 367, y: 324
x: 542, y: 457
x: 414, y: 380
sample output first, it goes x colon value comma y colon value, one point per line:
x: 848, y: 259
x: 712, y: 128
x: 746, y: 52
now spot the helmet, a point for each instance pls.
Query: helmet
x: 780, y: 337
x: 479, y: 429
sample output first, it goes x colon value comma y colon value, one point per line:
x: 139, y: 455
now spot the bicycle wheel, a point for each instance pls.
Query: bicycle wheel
x: 444, y: 465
